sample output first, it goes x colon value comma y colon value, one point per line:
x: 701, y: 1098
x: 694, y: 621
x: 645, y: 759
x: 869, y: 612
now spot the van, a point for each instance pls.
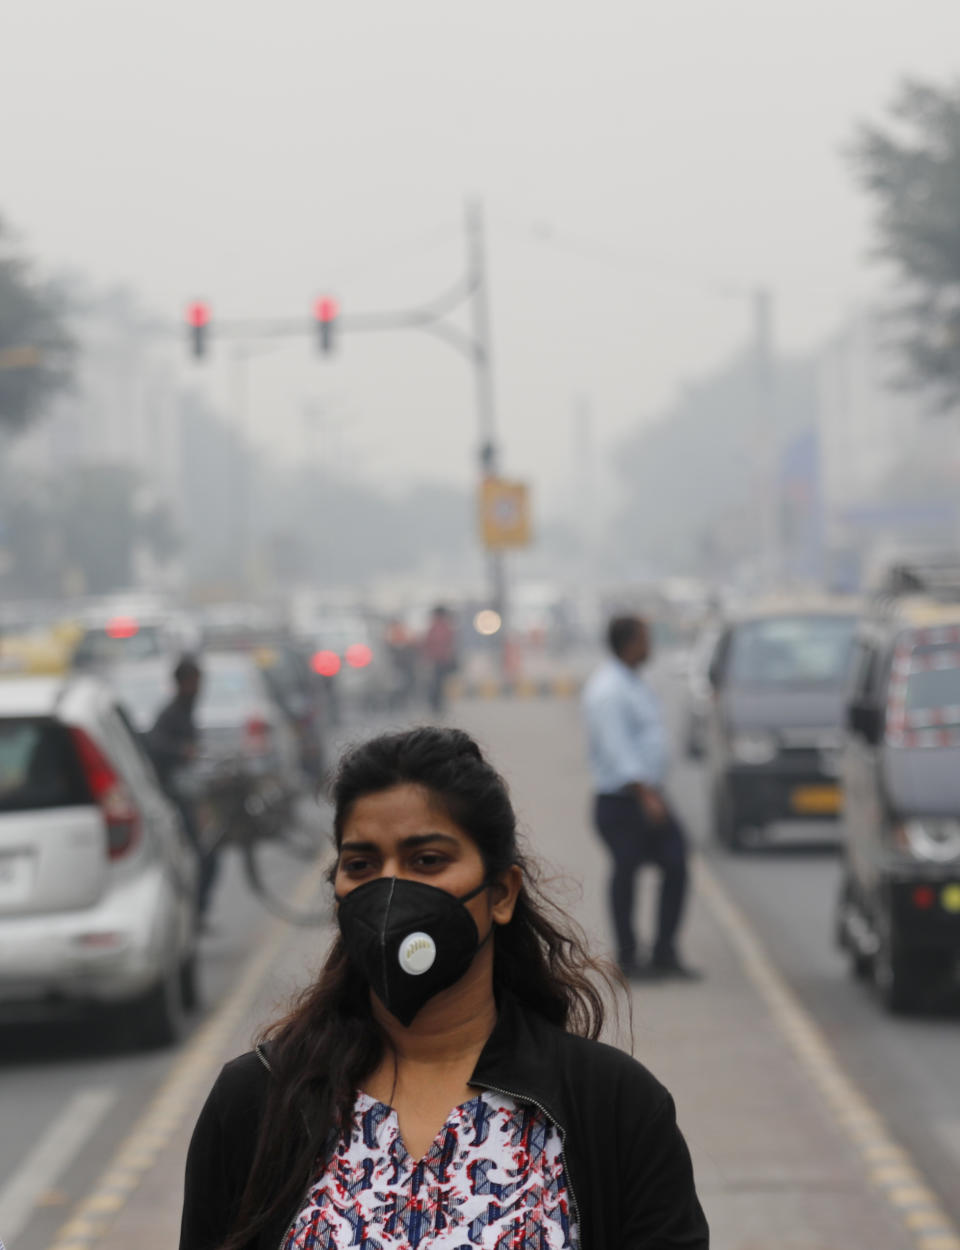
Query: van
x: 779, y: 675
x: 898, y: 915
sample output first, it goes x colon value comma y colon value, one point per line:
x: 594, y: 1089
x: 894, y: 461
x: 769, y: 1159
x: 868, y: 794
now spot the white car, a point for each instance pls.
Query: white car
x: 97, y: 879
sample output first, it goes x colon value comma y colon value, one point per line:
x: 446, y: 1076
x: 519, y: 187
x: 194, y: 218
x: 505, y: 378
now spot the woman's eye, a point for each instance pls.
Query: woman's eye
x: 429, y: 859
x: 355, y: 865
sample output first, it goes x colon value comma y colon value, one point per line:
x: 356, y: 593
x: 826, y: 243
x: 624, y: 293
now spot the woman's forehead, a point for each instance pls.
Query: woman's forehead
x: 396, y: 812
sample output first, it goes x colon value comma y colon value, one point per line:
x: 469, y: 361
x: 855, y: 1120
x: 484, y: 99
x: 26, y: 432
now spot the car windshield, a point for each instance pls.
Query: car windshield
x: 340, y: 634
x: 38, y: 767
x: 101, y: 646
x: 237, y: 682
x: 792, y: 650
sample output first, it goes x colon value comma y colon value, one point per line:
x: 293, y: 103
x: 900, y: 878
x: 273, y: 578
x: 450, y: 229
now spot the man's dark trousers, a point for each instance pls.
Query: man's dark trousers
x: 634, y: 841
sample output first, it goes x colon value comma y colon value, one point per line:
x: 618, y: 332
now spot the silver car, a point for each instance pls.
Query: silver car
x: 97, y: 880
x: 237, y: 717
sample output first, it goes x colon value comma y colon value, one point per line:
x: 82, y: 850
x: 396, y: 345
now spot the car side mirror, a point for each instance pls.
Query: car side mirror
x: 866, y: 719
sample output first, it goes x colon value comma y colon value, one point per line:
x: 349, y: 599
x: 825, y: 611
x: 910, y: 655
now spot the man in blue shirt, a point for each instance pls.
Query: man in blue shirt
x: 628, y: 760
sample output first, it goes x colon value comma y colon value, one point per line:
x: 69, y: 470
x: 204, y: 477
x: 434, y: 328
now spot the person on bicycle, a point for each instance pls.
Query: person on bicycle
x: 174, y: 743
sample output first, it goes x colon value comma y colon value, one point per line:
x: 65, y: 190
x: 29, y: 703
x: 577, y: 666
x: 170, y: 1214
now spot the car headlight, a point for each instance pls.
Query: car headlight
x: 755, y: 746
x: 937, y: 841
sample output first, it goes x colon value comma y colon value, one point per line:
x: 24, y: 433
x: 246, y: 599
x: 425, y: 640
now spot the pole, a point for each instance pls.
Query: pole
x: 584, y: 483
x: 244, y: 485
x: 489, y: 457
x: 768, y: 442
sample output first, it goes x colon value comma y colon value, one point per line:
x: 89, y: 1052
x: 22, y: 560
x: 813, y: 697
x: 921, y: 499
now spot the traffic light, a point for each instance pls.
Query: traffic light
x: 326, y: 310
x: 198, y: 320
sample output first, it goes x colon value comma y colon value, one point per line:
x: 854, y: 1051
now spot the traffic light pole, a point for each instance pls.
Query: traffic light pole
x: 432, y: 319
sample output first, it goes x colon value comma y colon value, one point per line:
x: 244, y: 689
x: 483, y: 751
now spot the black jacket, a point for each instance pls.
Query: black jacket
x: 173, y: 738
x: 627, y: 1164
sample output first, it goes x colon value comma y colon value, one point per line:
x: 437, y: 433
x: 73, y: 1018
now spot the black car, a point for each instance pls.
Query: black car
x: 899, y: 908
x: 779, y: 677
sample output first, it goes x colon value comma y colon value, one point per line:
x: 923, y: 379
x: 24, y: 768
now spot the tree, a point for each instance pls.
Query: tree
x: 36, y: 351
x: 911, y: 167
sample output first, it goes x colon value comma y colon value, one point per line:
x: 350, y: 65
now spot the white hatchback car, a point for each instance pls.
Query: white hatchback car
x: 97, y: 879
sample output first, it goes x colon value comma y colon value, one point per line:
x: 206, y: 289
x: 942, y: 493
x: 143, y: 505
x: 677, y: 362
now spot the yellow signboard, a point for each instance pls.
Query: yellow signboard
x: 504, y: 514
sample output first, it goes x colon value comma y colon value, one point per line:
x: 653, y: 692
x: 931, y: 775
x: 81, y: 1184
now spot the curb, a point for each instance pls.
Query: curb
x: 563, y: 687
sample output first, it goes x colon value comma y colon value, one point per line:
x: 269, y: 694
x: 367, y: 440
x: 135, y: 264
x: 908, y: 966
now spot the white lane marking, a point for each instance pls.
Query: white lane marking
x: 53, y: 1153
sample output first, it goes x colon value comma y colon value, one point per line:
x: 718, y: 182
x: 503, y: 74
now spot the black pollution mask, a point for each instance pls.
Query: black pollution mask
x: 408, y: 939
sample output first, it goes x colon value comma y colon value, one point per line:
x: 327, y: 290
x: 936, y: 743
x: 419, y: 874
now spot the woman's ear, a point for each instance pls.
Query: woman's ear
x: 504, y: 894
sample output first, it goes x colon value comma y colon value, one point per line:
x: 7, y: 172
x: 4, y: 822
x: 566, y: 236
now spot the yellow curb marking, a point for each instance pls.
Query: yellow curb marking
x: 522, y: 688
x: 897, y: 1177
x: 186, y: 1084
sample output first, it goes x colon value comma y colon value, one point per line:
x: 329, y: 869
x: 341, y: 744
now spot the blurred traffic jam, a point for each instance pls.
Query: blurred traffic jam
x: 106, y: 834
x: 800, y: 709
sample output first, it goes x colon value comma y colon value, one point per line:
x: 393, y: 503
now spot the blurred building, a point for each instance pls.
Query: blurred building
x: 888, y: 467
x: 124, y: 406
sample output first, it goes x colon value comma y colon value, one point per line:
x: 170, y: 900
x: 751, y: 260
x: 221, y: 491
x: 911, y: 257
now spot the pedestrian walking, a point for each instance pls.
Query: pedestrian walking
x: 628, y: 750
x: 173, y: 743
x: 440, y: 654
x: 440, y: 1085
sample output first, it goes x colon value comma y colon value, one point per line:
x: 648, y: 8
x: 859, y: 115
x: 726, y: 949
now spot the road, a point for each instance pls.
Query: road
x: 69, y: 1101
x: 909, y: 1068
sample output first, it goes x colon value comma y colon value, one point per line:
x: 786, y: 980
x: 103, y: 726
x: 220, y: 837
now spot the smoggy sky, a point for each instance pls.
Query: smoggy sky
x: 639, y: 162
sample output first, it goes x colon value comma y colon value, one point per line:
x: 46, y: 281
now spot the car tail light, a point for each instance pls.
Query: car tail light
x: 257, y: 732
x: 359, y: 655
x: 326, y: 663
x: 122, y: 627
x: 924, y: 897
x: 120, y: 813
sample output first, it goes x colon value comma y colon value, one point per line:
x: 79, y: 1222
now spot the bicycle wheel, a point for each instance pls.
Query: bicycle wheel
x: 287, y: 867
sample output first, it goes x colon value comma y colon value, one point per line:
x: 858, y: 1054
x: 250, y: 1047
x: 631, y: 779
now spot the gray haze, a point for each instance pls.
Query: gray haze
x: 634, y: 159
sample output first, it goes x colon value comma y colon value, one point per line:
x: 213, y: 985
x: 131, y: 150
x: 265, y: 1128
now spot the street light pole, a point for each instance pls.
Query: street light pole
x: 767, y: 434
x: 489, y: 454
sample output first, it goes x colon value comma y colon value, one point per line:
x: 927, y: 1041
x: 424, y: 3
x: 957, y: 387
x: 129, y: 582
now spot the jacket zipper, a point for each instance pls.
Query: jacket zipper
x: 512, y: 1093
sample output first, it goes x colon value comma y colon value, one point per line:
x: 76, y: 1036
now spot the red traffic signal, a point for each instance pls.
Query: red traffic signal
x: 198, y: 319
x: 326, y: 310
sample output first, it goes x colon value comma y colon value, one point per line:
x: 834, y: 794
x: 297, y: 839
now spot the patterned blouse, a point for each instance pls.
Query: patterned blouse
x: 493, y: 1178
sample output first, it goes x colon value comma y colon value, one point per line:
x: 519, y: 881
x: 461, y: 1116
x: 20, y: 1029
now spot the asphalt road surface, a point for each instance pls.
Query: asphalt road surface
x: 67, y: 1097
x: 908, y: 1067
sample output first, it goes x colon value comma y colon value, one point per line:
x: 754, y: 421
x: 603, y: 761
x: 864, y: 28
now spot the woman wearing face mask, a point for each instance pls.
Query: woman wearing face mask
x: 439, y: 1087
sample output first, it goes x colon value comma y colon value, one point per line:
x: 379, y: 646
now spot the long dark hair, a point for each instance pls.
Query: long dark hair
x: 328, y: 1042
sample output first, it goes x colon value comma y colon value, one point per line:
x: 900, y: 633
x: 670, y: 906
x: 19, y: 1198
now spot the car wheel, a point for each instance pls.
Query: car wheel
x: 190, y: 982
x: 898, y: 979
x: 861, y: 965
x: 726, y: 829
x: 160, y: 1016
x: 693, y: 740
